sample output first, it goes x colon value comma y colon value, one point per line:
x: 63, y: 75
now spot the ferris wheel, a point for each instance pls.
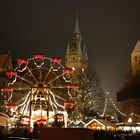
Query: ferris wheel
x: 38, y: 86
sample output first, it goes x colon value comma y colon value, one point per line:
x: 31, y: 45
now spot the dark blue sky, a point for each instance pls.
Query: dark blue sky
x: 110, y: 29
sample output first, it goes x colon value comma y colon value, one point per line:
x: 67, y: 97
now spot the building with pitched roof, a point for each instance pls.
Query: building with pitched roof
x: 135, y: 59
x: 100, y: 124
x: 129, y: 95
x: 5, y: 64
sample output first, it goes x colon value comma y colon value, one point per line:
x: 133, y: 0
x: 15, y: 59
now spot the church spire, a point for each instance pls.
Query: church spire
x: 68, y: 49
x: 77, y: 28
x: 76, y: 55
x: 76, y: 39
x: 85, y: 51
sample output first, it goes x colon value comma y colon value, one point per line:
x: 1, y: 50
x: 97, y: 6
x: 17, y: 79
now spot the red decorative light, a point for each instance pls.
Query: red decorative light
x: 24, y: 116
x: 11, y: 105
x: 56, y: 59
x: 21, y: 60
x: 6, y: 89
x: 69, y: 102
x: 68, y: 74
x: 39, y: 59
x: 41, y: 120
x: 39, y: 56
x: 73, y: 86
x: 69, y: 105
x: 10, y: 72
x: 68, y: 70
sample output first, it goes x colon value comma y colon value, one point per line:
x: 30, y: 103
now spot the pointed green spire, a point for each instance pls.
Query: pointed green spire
x: 77, y: 28
x: 68, y: 49
x: 76, y: 53
x: 76, y: 40
x: 85, y: 51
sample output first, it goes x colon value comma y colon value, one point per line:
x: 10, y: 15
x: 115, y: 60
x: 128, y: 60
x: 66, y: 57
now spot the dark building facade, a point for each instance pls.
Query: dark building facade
x: 129, y: 95
x: 5, y: 64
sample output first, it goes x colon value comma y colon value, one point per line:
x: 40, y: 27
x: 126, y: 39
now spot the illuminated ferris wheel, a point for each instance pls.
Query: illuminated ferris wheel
x: 39, y: 88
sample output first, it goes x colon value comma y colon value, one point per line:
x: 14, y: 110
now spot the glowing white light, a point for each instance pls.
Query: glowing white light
x: 73, y: 68
x: 56, y: 101
x: 129, y: 120
x: 26, y: 98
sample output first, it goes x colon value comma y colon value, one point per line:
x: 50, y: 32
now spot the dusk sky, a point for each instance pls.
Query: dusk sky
x: 110, y: 29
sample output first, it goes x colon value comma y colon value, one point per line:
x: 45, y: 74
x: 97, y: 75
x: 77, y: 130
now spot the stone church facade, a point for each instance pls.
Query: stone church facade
x: 129, y: 95
x: 76, y: 54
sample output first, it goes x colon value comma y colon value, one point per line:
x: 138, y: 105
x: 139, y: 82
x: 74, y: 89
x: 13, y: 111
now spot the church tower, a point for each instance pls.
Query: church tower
x: 76, y: 53
x: 135, y: 59
x: 129, y: 96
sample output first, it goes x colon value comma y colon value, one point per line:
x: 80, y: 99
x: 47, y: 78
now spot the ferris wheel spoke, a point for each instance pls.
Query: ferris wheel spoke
x: 22, y: 89
x: 32, y: 74
x: 57, y: 77
x: 25, y: 80
x: 40, y: 75
x: 47, y: 75
x: 21, y: 100
x: 26, y: 98
x: 61, y: 98
x: 58, y: 87
x: 61, y: 65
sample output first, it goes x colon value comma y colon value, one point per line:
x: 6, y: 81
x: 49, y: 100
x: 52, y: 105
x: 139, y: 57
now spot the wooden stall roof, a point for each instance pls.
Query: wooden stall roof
x: 101, y: 122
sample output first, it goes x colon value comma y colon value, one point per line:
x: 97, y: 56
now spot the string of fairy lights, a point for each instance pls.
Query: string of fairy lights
x: 108, y: 98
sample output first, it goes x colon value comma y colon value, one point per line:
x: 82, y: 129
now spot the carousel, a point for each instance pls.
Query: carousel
x: 39, y: 91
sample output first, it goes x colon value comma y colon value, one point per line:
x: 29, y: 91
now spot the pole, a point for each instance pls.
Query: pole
x: 30, y: 112
x: 48, y: 109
